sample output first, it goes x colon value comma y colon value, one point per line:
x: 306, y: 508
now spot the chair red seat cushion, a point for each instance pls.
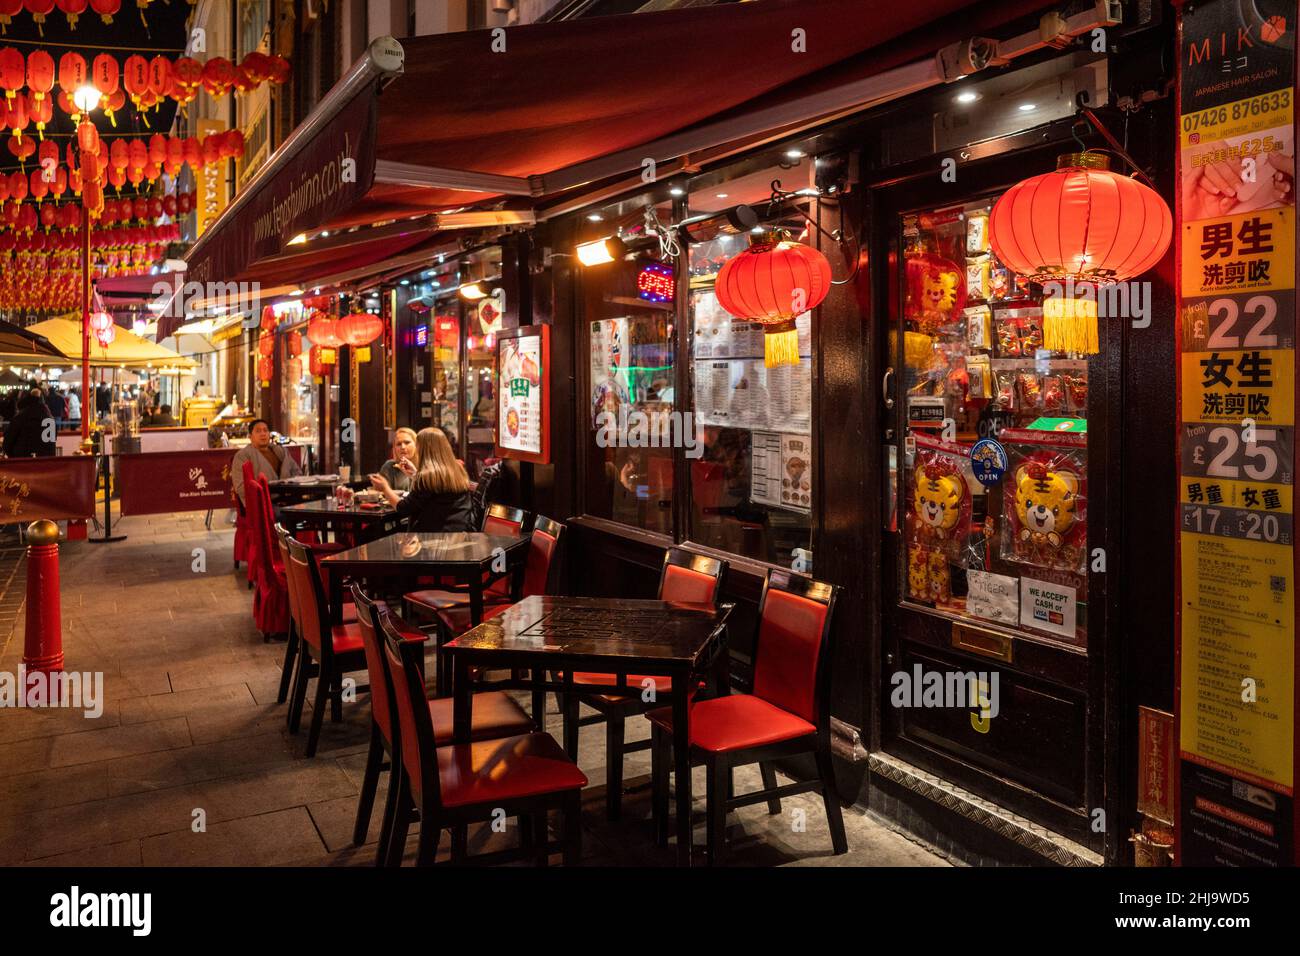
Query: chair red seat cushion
x: 736, y: 722
x: 495, y: 714
x: 662, y: 683
x: 508, y: 768
x: 457, y: 619
x: 434, y: 599
x: 347, y: 638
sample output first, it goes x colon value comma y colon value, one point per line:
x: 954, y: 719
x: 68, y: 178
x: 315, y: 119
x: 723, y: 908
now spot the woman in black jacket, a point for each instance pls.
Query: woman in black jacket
x: 31, y: 432
x: 439, y: 498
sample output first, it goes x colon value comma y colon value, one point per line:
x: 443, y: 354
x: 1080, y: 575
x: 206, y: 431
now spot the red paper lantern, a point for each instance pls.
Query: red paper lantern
x: 87, y: 137
x: 266, y: 345
x: 360, y: 328
x: 1081, y: 224
x: 218, y: 76
x: 17, y: 186
x: 185, y: 202
x: 169, y: 205
x: 188, y: 72
x: 104, y: 73
x: 13, y: 71
x: 39, y: 10
x: 135, y: 77
x: 8, y: 10
x: 16, y: 113
x: 72, y: 71
x: 137, y: 154
x: 37, y: 186
x: 279, y: 70
x: 105, y: 329
x: 324, y: 331
x: 232, y: 144
x: 49, y: 215
x: 106, y: 8
x: 40, y: 110
x: 772, y: 282
x: 293, y: 345
x: 72, y: 9
x: 22, y: 147
x: 40, y: 70
x: 265, y: 369
x: 160, y: 76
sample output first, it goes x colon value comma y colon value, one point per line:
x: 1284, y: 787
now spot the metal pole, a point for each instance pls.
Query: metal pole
x: 87, y: 405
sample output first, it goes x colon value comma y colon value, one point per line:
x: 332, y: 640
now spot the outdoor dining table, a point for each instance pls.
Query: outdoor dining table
x: 310, y: 487
x: 361, y: 522
x: 605, y: 635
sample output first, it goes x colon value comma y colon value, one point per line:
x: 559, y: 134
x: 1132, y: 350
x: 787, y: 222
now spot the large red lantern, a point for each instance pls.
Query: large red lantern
x: 266, y: 345
x: 106, y: 8
x: 72, y: 9
x: 40, y: 72
x: 772, y: 282
x: 13, y: 71
x: 39, y: 10
x: 324, y: 331
x: 360, y: 328
x: 72, y: 72
x: 8, y: 10
x: 1079, y: 225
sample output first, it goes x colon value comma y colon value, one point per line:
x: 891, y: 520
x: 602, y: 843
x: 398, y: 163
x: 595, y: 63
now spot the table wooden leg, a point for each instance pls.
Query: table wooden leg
x: 682, y: 767
x: 462, y: 700
x: 335, y: 577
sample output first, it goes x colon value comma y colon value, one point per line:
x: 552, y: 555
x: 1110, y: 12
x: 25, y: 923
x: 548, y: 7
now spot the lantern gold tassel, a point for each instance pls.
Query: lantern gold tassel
x: 1070, y: 325
x: 780, y: 345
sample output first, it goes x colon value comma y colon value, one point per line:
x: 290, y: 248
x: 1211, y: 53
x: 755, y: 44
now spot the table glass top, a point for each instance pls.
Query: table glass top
x: 444, y: 548
x: 330, y: 506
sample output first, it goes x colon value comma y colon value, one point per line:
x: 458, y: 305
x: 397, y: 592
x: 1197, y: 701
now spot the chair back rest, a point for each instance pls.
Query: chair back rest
x: 790, y: 659
x: 263, y: 535
x: 313, y: 610
x: 253, y: 511
x: 542, y: 565
x: 484, y: 487
x: 381, y: 698
x: 282, y: 538
x: 691, y: 578
x: 502, y: 519
x: 413, y: 735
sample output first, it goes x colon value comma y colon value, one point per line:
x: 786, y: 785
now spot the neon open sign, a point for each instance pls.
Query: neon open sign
x: 655, y: 282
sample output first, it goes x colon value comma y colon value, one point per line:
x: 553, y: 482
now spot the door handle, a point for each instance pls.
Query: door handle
x: 884, y: 388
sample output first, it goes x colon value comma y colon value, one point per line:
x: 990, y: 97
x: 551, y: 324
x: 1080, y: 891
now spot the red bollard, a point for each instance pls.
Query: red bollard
x: 43, y: 638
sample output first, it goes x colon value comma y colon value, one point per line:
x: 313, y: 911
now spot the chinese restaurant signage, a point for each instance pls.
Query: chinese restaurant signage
x: 56, y: 488
x: 1237, y: 354
x: 162, y: 481
x: 523, y: 402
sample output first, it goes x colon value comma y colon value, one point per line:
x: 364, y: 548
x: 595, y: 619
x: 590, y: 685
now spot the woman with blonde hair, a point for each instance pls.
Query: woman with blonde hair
x: 439, y: 497
x: 395, y: 474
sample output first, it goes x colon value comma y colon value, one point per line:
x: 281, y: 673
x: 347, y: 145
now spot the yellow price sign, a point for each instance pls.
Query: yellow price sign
x: 1239, y: 118
x: 1249, y: 251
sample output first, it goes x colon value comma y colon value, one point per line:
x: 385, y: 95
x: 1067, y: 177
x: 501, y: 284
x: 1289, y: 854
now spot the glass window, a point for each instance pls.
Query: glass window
x: 996, y: 454
x: 628, y: 306
x: 752, y: 486
x: 443, y: 386
x: 299, y: 395
x: 483, y: 317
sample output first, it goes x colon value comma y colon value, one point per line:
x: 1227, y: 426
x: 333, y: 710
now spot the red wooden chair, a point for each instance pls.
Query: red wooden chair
x: 685, y: 577
x: 495, y: 714
x: 271, y: 590
x: 541, y: 575
x: 245, y: 509
x: 524, y: 776
x: 242, y: 533
x: 787, y: 713
x: 330, y: 650
x: 426, y: 603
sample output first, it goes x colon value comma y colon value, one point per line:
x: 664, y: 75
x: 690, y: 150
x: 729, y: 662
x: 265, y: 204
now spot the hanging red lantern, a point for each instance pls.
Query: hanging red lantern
x: 87, y: 137
x: 16, y: 113
x: 72, y: 72
x: 265, y: 370
x: 40, y: 111
x: 37, y: 187
x: 160, y: 76
x: 772, y: 282
x: 72, y: 9
x: 40, y: 71
x: 188, y: 72
x: 360, y: 328
x: 265, y: 345
x: 104, y: 73
x: 135, y: 77
x: 323, y: 331
x: 185, y: 202
x: 169, y: 205
x: 17, y: 186
x: 106, y: 8
x: 293, y: 345
x: 8, y: 10
x: 212, y: 153
x: 39, y: 9
x: 192, y: 150
x: 114, y: 102
x: 279, y: 70
x: 13, y: 71
x: 218, y: 76
x: 92, y: 168
x: 269, y: 321
x: 1081, y: 225
x: 22, y: 147
x: 232, y: 144
x: 158, y: 148
x: 105, y: 329
x: 48, y: 216
x: 137, y: 154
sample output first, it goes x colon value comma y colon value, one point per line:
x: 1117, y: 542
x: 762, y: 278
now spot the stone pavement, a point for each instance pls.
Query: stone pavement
x: 190, y: 731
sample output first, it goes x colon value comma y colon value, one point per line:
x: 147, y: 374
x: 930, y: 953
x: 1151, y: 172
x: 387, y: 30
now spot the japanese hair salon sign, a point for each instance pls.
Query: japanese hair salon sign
x: 1236, y: 232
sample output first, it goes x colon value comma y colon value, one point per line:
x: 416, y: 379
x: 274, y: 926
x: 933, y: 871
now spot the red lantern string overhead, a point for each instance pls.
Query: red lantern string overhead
x: 359, y: 328
x: 106, y: 8
x: 218, y: 76
x: 772, y: 282
x: 1081, y: 224
x: 265, y: 345
x: 72, y: 9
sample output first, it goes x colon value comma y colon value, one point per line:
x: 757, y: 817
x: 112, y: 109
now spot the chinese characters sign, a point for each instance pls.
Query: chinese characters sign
x: 158, y: 482
x: 1237, y: 230
x: 57, y: 488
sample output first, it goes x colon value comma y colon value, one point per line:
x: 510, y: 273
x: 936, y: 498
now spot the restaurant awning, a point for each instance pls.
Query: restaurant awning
x: 441, y: 122
x: 18, y: 344
x: 127, y: 348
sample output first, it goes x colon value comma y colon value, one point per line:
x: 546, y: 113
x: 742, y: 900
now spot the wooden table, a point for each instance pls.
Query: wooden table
x: 288, y: 490
x: 608, y: 636
x: 330, y: 515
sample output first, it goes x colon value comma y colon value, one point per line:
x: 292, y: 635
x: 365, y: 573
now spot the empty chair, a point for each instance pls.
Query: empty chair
x: 495, y: 714
x: 786, y: 713
x: 523, y: 776
x: 686, y: 578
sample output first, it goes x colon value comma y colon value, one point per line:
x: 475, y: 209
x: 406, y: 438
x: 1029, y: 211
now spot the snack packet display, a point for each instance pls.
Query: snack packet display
x: 939, y: 497
x: 1045, y: 520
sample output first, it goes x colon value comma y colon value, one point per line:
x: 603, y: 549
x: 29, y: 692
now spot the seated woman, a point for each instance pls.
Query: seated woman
x: 439, y: 499
x: 397, y: 471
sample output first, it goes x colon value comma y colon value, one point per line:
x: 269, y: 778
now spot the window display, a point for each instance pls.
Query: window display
x: 299, y: 393
x: 996, y: 454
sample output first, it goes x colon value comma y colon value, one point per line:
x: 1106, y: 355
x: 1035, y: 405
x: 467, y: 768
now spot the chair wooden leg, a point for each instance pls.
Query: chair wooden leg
x: 290, y: 658
x: 430, y: 831
x: 336, y: 697
x: 769, y: 783
x: 459, y: 841
x: 401, y: 822
x: 299, y: 691
x: 390, y: 814
x: 614, y: 766
x: 539, y: 703
x: 573, y: 828
x: 369, y: 785
x: 570, y: 708
x: 318, y: 710
x: 716, y: 807
x: 834, y: 817
x: 659, y: 764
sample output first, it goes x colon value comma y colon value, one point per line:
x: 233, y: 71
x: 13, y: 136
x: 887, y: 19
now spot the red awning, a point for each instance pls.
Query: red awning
x: 465, y: 122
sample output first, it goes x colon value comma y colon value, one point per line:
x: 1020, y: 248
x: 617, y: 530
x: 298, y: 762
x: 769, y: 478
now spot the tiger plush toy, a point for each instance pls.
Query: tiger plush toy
x: 938, y: 500
x: 1047, y: 502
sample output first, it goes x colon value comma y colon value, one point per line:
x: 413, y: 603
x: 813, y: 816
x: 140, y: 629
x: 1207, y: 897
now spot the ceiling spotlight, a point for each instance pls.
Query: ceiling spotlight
x: 595, y: 217
x: 967, y: 96
x: 677, y: 191
x: 1026, y: 107
x: 405, y: 282
x: 601, y: 251
x: 794, y: 154
x: 721, y: 195
x: 475, y: 290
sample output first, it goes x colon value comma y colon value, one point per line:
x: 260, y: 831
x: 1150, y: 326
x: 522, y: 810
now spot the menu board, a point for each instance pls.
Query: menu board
x: 1236, y: 269
x: 780, y: 470
x: 523, y: 405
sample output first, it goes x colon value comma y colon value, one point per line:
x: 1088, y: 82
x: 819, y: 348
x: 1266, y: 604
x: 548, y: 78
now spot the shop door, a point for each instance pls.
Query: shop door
x: 995, y: 447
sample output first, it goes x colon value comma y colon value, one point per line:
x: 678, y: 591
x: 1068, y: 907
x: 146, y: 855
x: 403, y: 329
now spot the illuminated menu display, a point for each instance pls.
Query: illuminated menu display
x: 523, y: 405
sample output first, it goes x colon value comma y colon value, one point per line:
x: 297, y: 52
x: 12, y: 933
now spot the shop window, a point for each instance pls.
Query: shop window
x: 299, y: 395
x: 752, y: 482
x: 443, y: 386
x: 996, y: 454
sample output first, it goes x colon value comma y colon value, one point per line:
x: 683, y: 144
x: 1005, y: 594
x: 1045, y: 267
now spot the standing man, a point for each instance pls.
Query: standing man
x: 58, y: 407
x: 268, y: 459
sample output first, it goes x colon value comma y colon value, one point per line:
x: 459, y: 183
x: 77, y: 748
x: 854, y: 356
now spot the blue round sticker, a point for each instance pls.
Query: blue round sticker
x: 988, y: 461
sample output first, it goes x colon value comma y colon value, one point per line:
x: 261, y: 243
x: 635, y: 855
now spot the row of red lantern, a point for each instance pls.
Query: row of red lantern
x: 146, y: 81
x: 133, y: 160
x: 357, y: 329
x: 72, y: 9
x: 68, y: 236
x: 55, y: 181
x: 24, y: 217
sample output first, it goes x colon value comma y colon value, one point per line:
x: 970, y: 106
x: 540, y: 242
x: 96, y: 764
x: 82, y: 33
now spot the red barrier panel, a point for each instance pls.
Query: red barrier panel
x: 161, y: 481
x: 58, y: 488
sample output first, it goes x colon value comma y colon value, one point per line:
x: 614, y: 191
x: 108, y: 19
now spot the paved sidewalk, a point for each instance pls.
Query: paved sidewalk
x: 190, y: 762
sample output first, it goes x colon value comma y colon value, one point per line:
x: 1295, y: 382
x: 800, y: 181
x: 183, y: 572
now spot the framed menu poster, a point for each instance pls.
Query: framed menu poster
x: 523, y: 394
